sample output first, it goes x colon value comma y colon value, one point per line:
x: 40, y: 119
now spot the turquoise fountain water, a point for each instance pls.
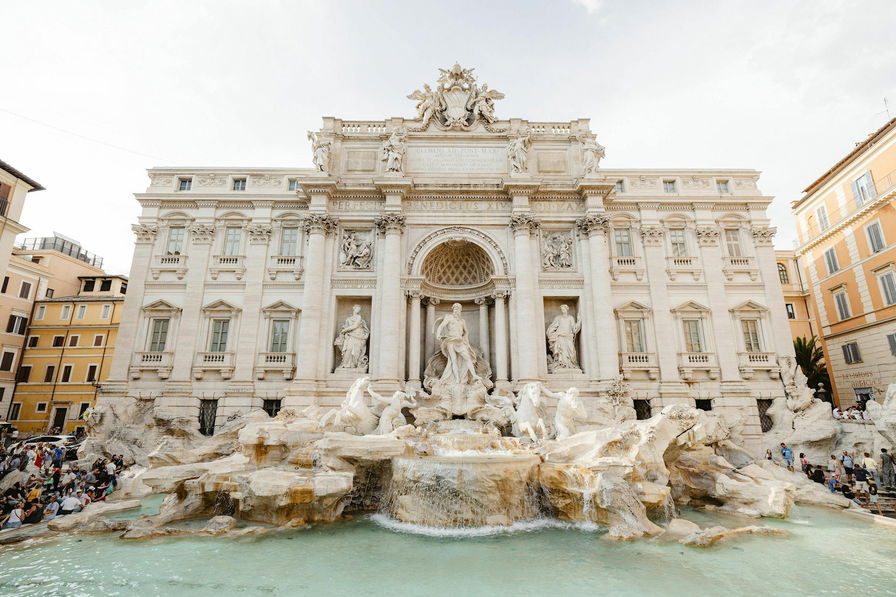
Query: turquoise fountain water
x: 825, y: 553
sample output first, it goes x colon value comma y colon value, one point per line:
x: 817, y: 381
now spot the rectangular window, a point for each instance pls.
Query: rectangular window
x: 703, y: 404
x: 239, y: 184
x: 14, y: 413
x: 722, y: 187
x: 91, y: 374
x: 7, y: 360
x: 783, y: 276
x: 89, y: 285
x: 50, y: 373
x: 279, y: 335
x: 678, y: 242
x: 750, y: 329
x: 16, y: 324
x: 176, y: 236
x: 875, y: 237
x: 791, y: 313
x: 668, y: 186
x: 293, y: 184
x: 271, y: 406
x: 40, y: 312
x: 73, y: 340
x: 851, y: 352
x: 24, y: 374
x: 888, y: 286
x: 66, y: 373
x: 220, y: 329
x: 623, y: 238
x: 105, y: 285
x: 634, y: 335
x: 98, y: 339
x: 232, y: 240
x: 41, y: 407
x: 732, y: 242
x: 158, y: 335
x: 5, y: 284
x: 830, y: 259
x: 83, y: 409
x: 25, y: 290
x: 842, y: 300
x: 693, y: 335
x: 66, y: 312
x: 289, y: 240
x: 863, y: 189
x: 49, y: 293
x: 82, y: 311
x: 106, y: 310
x: 821, y: 213
x: 32, y: 341
x: 891, y: 340
x: 619, y: 187
x: 184, y: 184
x: 58, y: 341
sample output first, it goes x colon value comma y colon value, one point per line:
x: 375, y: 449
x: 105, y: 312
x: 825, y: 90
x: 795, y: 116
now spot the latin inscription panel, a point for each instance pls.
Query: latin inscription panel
x: 475, y: 160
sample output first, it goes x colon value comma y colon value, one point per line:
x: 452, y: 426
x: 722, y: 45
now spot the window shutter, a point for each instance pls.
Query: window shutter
x: 845, y: 348
x: 11, y: 324
x: 869, y: 184
x: 892, y: 340
x: 856, y: 194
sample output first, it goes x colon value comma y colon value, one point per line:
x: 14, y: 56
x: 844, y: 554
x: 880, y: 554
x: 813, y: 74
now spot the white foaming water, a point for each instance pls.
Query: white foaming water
x: 524, y: 526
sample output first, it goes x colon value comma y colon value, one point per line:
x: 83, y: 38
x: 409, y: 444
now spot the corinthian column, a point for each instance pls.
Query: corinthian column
x: 429, y: 344
x: 391, y: 226
x: 483, y: 327
x: 414, y: 337
x: 595, y: 226
x: 317, y: 227
x: 523, y: 224
x: 500, y: 337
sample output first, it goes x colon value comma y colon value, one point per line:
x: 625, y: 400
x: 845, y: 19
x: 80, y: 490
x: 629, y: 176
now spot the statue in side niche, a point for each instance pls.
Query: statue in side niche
x: 352, y: 341
x: 561, y: 341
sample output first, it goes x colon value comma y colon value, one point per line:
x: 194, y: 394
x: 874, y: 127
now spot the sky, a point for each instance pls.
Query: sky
x: 94, y: 93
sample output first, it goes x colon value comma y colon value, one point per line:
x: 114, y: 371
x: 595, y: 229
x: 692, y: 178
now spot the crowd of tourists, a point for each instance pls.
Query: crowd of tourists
x: 858, y: 478
x: 853, y: 413
x: 40, y: 486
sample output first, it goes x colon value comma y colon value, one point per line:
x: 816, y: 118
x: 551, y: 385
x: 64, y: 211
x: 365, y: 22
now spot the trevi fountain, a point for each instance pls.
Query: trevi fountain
x: 452, y: 473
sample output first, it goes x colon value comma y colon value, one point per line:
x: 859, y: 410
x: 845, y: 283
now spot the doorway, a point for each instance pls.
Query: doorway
x: 59, y: 415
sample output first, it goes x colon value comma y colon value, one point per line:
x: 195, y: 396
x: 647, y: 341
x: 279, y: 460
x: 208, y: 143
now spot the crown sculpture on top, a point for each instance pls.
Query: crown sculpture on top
x: 457, y: 102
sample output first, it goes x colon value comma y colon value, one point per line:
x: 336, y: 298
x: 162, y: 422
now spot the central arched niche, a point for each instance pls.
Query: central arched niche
x: 458, y: 264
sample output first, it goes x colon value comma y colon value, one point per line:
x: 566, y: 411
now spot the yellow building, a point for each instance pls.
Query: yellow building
x: 38, y: 268
x: 846, y: 223
x: 67, y: 354
x: 796, y: 295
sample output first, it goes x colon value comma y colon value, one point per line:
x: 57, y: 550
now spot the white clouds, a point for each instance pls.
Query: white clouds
x: 783, y: 87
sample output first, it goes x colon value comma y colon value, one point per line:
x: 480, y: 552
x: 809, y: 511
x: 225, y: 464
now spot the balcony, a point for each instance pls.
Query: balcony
x: 733, y: 266
x: 289, y: 265
x: 626, y: 265
x: 176, y: 264
x: 691, y: 362
x: 277, y: 362
x: 160, y: 362
x: 235, y: 264
x: 750, y: 362
x: 630, y: 362
x: 676, y: 266
x: 222, y: 362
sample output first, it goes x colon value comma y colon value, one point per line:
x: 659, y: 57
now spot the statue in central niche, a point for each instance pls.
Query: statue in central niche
x: 457, y: 375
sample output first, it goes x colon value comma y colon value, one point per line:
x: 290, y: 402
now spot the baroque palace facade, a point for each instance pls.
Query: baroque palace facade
x: 279, y: 287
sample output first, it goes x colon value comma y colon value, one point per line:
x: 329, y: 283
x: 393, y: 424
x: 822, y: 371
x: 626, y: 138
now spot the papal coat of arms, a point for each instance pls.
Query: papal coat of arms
x: 457, y: 101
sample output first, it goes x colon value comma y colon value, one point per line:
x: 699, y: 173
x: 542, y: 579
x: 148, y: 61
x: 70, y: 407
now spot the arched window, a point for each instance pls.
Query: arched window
x: 782, y: 274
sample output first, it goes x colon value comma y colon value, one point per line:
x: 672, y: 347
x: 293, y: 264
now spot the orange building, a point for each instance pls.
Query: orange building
x: 796, y: 295
x: 846, y: 222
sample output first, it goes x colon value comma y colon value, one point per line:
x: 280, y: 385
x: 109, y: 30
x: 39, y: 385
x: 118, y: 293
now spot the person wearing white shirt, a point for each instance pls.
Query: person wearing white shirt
x: 837, y: 413
x: 110, y: 468
x: 69, y: 505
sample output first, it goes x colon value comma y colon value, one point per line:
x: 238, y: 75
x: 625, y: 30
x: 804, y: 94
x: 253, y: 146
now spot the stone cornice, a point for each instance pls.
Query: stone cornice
x: 521, y: 186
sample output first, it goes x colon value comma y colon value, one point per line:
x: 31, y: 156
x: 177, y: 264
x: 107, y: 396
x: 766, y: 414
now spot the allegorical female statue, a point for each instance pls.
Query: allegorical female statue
x: 562, y: 341
x: 352, y: 341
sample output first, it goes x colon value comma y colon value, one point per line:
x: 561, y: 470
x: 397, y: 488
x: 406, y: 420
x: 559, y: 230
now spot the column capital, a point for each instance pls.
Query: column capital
x: 202, y: 234
x: 145, y: 233
x: 431, y: 300
x: 413, y: 294
x: 652, y: 236
x: 259, y: 234
x: 392, y: 222
x: 708, y: 236
x: 500, y: 294
x: 593, y: 224
x: 481, y: 300
x: 764, y: 236
x: 320, y: 223
x: 523, y: 223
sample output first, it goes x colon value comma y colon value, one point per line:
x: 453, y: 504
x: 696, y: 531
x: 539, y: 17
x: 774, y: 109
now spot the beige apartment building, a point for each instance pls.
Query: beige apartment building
x: 796, y: 295
x: 846, y: 223
x: 39, y: 268
x: 14, y: 186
